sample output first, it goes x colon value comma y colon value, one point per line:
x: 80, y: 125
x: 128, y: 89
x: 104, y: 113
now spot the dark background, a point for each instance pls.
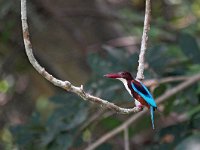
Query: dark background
x: 80, y: 41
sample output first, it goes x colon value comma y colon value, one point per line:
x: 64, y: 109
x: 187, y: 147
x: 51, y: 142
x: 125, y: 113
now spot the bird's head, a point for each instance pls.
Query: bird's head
x: 120, y: 75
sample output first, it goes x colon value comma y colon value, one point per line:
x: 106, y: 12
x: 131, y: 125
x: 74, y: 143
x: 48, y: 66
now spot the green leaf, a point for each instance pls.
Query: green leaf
x: 115, y: 54
x: 70, y: 114
x: 110, y: 123
x: 4, y: 86
x: 159, y: 90
x: 105, y: 146
x: 114, y: 61
x: 194, y: 112
x: 157, y: 58
x: 169, y: 105
x: 57, y: 132
x: 26, y: 135
x: 195, y: 68
x: 191, y: 96
x: 190, y: 143
x: 63, y: 142
x: 176, y: 133
x: 99, y: 65
x: 189, y: 47
x: 86, y: 135
x: 195, y: 119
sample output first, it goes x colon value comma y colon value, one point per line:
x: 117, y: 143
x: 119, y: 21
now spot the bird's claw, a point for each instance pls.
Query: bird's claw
x: 140, y: 107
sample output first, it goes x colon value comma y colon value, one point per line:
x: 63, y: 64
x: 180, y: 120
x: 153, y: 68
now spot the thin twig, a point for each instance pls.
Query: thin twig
x: 140, y: 75
x: 63, y: 84
x: 151, y: 82
x: 192, y: 80
x: 126, y: 139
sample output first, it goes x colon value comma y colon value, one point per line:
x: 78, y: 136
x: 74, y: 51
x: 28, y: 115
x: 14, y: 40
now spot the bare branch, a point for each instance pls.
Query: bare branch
x: 192, y: 80
x: 126, y: 139
x: 63, y: 84
x: 152, y: 82
x: 140, y: 75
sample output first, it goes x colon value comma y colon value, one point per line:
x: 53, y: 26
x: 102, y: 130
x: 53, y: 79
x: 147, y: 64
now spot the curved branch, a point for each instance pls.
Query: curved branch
x: 140, y: 70
x: 192, y: 80
x: 63, y: 84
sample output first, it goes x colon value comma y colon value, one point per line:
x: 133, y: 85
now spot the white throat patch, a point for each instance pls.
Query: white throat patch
x: 137, y: 103
x: 125, y: 84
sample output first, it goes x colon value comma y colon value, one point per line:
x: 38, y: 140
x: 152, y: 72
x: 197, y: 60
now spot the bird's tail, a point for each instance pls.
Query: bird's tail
x: 152, y: 116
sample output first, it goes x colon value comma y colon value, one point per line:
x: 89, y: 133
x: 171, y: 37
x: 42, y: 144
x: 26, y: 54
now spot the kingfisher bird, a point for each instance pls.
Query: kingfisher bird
x: 137, y: 90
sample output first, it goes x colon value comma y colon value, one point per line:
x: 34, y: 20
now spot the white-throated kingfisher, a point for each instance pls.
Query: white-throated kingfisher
x: 137, y: 90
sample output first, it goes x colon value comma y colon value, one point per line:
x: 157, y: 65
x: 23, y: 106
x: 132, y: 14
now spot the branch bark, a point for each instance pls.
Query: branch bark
x: 192, y: 80
x: 66, y: 85
x: 140, y: 71
x: 126, y: 139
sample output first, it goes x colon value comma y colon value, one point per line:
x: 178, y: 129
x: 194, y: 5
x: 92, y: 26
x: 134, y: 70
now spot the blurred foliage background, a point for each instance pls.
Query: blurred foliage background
x: 80, y: 41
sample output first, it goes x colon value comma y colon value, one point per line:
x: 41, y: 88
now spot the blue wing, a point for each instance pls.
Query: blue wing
x: 141, y: 89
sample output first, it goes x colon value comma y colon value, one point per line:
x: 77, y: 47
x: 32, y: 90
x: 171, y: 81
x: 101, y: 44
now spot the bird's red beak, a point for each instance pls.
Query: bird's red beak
x: 113, y: 75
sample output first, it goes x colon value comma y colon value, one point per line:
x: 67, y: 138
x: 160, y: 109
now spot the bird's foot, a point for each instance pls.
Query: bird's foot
x: 140, y: 107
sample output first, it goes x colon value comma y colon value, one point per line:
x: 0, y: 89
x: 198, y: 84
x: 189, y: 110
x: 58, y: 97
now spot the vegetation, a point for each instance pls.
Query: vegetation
x: 36, y: 115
